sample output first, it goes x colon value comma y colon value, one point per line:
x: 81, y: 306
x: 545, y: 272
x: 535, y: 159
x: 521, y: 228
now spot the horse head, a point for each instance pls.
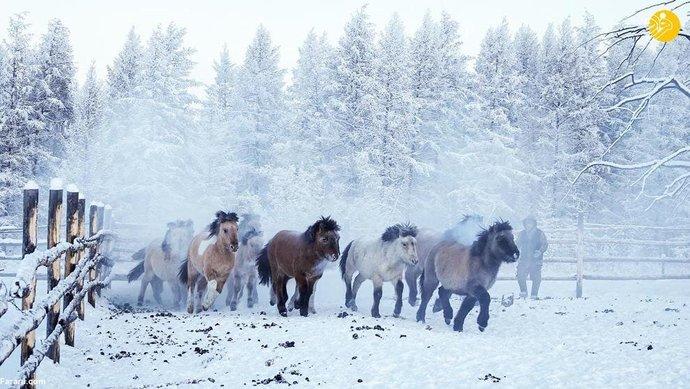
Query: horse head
x: 177, y: 238
x: 498, y: 240
x: 324, y: 236
x: 403, y: 240
x: 225, y: 229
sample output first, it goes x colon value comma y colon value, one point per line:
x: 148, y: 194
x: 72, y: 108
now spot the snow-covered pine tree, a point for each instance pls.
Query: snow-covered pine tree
x: 80, y: 164
x: 398, y: 136
x: 19, y: 124
x: 355, y: 107
x: 262, y: 118
x: 52, y: 96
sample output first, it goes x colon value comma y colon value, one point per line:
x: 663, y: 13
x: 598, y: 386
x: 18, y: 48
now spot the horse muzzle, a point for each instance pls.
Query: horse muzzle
x: 333, y: 257
x: 234, y: 247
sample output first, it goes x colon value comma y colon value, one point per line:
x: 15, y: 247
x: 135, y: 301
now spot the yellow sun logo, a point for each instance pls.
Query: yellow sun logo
x: 664, y: 25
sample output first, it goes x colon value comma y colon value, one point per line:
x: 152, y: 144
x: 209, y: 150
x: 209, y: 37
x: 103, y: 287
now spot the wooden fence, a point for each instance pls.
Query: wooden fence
x: 79, y: 254
x: 583, y: 246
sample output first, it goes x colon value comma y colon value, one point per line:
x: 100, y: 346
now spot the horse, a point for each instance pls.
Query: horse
x: 380, y: 260
x: 463, y: 231
x: 210, y: 259
x: 160, y: 260
x: 244, y: 273
x: 299, y: 255
x: 467, y: 270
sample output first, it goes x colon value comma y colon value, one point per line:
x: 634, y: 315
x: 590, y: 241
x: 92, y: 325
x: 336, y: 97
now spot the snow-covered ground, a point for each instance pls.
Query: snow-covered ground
x: 622, y: 334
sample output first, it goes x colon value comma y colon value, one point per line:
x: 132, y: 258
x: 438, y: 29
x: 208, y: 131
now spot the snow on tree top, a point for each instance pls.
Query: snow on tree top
x: 55, y: 183
x: 31, y: 184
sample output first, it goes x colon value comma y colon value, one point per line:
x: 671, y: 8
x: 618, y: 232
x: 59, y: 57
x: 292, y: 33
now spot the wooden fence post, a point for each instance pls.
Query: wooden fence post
x: 80, y: 254
x: 579, y: 254
x: 94, y: 224
x: 71, y: 233
x: 29, y: 242
x: 54, y: 270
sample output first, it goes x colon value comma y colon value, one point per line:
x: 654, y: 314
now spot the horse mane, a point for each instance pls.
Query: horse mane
x: 325, y: 223
x: 221, y: 217
x: 483, y: 237
x: 399, y: 231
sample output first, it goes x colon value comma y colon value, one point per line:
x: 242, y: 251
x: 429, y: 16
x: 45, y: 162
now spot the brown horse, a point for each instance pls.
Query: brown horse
x: 299, y: 255
x: 211, y: 255
x: 467, y: 270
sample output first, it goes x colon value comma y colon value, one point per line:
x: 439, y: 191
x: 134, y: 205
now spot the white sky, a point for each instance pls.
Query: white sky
x: 99, y: 28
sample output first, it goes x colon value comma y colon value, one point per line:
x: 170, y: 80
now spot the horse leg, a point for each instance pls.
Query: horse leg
x: 484, y: 300
x: 378, y: 292
x: 294, y: 299
x: 347, y: 277
x: 176, y: 287
x: 411, y: 274
x: 231, y: 290
x: 234, y: 290
x: 465, y: 308
x: 444, y: 300
x: 252, y: 294
x: 215, y: 287
x: 145, y: 280
x: 355, y: 288
x: 398, y: 298
x: 305, y: 289
x: 192, y: 278
x: 201, y: 285
x: 273, y: 297
x: 157, y: 286
x: 311, y: 299
x: 280, y: 289
x: 428, y: 283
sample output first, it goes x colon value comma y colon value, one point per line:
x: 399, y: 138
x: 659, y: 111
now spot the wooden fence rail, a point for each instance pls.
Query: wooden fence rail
x: 81, y: 258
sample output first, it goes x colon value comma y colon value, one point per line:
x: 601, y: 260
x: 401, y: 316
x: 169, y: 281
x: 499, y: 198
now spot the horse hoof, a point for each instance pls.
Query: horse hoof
x: 447, y: 320
x: 481, y: 328
x: 312, y: 310
x: 139, y: 303
x: 413, y: 302
x: 375, y: 314
x: 283, y: 314
x: 272, y: 303
x: 233, y: 307
x: 437, y: 306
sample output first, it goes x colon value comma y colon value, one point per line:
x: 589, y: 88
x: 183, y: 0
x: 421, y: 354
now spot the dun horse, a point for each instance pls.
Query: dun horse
x: 379, y: 260
x: 244, y: 273
x: 464, y: 232
x: 299, y: 255
x: 467, y: 270
x: 210, y: 259
x: 160, y: 261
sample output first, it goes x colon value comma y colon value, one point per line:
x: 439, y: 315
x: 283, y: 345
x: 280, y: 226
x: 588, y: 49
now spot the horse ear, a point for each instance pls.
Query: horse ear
x: 220, y: 214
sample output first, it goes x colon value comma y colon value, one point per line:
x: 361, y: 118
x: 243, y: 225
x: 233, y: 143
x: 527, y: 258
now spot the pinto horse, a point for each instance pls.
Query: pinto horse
x: 299, y: 255
x: 210, y: 259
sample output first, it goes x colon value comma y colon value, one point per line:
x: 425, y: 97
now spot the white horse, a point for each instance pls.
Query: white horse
x: 244, y: 273
x: 380, y: 260
x: 160, y: 261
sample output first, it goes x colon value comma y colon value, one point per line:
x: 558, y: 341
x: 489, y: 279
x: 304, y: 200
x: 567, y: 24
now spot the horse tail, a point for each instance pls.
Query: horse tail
x: 343, y: 259
x: 263, y: 266
x: 183, y: 273
x: 136, y: 272
x: 139, y: 255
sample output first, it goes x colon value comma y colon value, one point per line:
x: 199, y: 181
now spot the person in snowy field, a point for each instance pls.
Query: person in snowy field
x: 532, y: 244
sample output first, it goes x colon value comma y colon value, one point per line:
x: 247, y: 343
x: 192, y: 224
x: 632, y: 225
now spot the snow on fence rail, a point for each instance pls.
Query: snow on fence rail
x: 81, y: 256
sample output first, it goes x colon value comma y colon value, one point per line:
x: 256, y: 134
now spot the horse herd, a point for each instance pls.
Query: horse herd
x: 463, y: 260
